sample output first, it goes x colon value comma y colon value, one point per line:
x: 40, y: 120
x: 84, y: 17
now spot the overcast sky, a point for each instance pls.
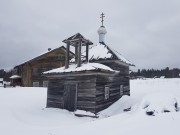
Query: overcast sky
x: 147, y: 32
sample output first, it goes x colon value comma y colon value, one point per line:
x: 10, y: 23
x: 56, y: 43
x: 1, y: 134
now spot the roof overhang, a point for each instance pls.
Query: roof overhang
x: 15, y: 77
x: 82, y: 73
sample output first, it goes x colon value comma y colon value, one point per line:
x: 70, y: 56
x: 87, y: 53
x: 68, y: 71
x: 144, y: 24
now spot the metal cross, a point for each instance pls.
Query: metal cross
x: 102, y: 17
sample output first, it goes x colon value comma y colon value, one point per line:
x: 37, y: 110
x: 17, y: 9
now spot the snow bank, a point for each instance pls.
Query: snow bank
x: 118, y: 107
x: 159, y: 103
x: 23, y: 112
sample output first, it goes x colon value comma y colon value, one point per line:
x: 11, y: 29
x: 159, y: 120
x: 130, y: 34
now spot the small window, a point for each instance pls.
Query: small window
x: 35, y: 84
x: 45, y: 83
x: 35, y: 70
x: 106, y: 93
x: 60, y: 57
x: 121, y: 90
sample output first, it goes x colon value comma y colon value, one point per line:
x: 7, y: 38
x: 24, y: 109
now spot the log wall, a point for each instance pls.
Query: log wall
x: 113, y: 83
x: 85, y: 93
x: 90, y: 90
x: 44, y: 63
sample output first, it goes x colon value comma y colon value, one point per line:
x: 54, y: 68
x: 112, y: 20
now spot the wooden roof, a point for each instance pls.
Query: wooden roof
x: 46, y: 53
x: 76, y: 38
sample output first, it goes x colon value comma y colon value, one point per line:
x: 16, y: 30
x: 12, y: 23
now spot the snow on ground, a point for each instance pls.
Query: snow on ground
x: 23, y: 112
x: 160, y: 103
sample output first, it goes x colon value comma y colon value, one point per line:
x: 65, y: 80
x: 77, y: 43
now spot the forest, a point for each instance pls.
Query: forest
x: 156, y: 73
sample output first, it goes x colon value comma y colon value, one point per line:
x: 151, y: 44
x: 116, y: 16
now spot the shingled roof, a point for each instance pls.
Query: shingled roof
x: 76, y: 37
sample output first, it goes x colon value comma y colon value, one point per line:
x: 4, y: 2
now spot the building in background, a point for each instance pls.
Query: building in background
x: 30, y: 72
x: 92, y: 80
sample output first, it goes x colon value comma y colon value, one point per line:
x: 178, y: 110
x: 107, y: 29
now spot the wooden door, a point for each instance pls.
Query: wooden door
x: 70, y: 96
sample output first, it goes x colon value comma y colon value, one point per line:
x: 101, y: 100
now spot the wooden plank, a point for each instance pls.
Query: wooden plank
x: 76, y: 54
x: 86, y: 85
x: 85, y: 95
x: 79, y: 54
x: 87, y: 52
x: 86, y: 103
x: 67, y: 55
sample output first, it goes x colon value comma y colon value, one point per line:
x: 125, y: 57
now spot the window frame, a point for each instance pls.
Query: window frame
x: 45, y: 83
x: 121, y: 90
x: 106, y: 93
x: 36, y: 84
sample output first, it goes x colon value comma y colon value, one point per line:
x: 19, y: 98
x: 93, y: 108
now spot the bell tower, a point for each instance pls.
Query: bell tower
x: 77, y: 41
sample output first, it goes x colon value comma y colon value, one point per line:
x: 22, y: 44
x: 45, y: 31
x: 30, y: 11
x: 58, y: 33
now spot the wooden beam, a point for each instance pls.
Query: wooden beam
x: 79, y: 53
x: 87, y: 52
x: 67, y: 55
x: 76, y: 53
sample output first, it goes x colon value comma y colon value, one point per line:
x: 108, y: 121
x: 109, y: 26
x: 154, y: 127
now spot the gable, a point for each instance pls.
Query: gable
x: 49, y: 54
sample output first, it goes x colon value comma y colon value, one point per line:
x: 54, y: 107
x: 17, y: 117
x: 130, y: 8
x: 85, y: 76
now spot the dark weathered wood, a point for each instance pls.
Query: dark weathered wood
x: 76, y: 54
x: 67, y: 55
x: 69, y: 96
x: 87, y: 52
x: 90, y: 90
x: 96, y: 90
x: 31, y: 71
x: 79, y: 53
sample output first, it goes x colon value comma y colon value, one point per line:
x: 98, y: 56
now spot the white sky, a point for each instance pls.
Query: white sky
x: 144, y: 31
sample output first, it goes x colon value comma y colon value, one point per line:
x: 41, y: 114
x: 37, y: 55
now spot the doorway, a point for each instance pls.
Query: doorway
x: 70, y: 97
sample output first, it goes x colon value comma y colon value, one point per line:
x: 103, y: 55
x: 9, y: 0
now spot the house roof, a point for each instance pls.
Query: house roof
x: 101, y: 51
x: 45, y: 53
x: 84, y: 67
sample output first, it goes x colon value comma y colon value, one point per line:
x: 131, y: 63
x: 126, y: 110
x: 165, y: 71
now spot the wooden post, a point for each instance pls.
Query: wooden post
x: 67, y: 55
x: 79, y: 53
x: 87, y: 52
x: 76, y: 53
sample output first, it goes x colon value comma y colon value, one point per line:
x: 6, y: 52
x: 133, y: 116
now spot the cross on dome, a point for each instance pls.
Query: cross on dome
x: 102, y: 17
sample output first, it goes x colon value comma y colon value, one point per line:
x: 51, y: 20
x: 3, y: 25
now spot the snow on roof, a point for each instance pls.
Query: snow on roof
x: 120, y: 57
x: 100, y: 51
x: 15, y: 77
x: 1, y: 79
x: 84, y: 67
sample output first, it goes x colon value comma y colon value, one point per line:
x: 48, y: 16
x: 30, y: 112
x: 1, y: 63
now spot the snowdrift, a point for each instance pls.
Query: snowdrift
x: 23, y: 112
x: 157, y: 103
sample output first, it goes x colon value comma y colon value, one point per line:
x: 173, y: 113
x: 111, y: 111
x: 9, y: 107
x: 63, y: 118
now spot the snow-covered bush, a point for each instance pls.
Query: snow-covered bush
x: 160, y: 103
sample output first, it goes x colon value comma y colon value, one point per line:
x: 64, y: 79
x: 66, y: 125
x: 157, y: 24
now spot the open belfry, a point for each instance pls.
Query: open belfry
x: 93, y: 80
x: 76, y: 41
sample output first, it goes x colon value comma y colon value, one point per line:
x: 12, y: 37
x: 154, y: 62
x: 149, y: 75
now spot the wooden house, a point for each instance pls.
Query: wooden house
x: 30, y: 72
x: 92, y: 81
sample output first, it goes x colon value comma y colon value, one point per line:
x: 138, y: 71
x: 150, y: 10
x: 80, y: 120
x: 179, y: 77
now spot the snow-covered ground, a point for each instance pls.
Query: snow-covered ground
x: 23, y: 112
